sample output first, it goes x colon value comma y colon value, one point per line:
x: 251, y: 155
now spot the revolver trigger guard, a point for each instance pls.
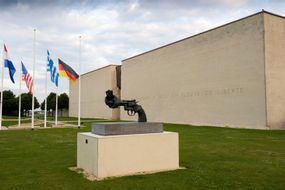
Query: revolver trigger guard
x: 131, y: 113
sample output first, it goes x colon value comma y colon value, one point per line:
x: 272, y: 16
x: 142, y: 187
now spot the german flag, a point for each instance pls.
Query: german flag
x: 66, y: 71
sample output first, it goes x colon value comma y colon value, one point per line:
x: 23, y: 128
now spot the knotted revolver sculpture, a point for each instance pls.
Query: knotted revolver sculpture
x: 130, y: 106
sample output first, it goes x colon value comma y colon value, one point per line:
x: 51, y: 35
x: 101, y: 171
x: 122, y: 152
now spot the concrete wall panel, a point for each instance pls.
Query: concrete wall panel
x: 215, y: 78
x: 275, y: 70
x: 93, y: 87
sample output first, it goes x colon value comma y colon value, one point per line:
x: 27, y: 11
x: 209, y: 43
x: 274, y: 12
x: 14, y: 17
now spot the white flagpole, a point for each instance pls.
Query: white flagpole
x: 1, y: 100
x: 45, y: 119
x: 33, y: 87
x: 56, y: 106
x: 79, y: 83
x: 20, y: 101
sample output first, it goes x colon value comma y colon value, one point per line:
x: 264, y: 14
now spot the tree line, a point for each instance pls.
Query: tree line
x: 11, y: 103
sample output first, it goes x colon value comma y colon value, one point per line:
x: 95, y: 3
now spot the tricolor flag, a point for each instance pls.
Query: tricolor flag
x: 8, y: 63
x: 66, y: 71
x: 52, y: 69
x: 28, y: 78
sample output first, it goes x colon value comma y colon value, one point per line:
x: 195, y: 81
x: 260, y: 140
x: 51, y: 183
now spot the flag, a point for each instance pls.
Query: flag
x: 8, y: 63
x: 27, y: 78
x: 52, y: 69
x: 49, y: 61
x: 66, y: 71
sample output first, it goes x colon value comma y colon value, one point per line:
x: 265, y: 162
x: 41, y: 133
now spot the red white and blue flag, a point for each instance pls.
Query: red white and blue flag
x: 28, y: 78
x: 8, y: 63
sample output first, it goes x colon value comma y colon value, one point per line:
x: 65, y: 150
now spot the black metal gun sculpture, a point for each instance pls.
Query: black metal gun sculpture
x: 130, y: 106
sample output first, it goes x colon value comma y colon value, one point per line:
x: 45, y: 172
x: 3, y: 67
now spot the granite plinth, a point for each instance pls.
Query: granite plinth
x: 126, y: 128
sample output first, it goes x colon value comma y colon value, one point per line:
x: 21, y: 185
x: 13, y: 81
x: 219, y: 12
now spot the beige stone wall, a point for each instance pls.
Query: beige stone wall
x: 275, y: 70
x: 93, y: 87
x: 215, y: 78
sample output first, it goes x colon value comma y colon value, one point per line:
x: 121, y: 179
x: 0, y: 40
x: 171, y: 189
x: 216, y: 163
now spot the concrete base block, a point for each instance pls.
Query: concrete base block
x: 119, y: 155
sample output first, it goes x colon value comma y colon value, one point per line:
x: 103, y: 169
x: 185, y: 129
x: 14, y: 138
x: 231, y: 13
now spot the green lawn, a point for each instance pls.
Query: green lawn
x: 66, y: 118
x: 215, y: 158
x: 15, y: 122
x: 11, y: 117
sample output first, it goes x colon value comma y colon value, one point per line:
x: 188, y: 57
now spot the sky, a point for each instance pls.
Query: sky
x: 111, y: 30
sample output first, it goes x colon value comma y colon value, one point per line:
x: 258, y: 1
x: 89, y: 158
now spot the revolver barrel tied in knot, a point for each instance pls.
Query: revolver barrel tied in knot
x: 130, y: 106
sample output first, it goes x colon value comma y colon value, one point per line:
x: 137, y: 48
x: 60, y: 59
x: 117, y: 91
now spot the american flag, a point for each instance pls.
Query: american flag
x: 28, y: 78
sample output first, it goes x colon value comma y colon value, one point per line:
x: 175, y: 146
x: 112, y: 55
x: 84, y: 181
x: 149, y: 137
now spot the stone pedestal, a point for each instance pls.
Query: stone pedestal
x: 119, y: 155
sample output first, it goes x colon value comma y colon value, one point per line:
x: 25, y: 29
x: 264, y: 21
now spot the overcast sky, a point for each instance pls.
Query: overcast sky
x: 111, y: 30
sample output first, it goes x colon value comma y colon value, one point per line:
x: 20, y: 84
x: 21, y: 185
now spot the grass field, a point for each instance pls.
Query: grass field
x: 215, y: 158
x: 13, y: 120
x: 66, y: 118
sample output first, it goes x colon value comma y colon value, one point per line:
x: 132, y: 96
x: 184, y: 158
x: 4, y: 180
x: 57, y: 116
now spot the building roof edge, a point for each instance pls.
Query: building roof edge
x: 99, y: 69
x: 215, y: 28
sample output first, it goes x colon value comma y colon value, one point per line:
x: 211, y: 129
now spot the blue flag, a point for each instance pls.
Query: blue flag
x: 52, y: 69
x: 8, y: 63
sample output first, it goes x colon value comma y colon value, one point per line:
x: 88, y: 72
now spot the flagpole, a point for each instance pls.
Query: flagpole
x: 20, y: 101
x: 33, y: 87
x: 79, y: 83
x: 56, y: 106
x: 45, y: 119
x: 1, y: 99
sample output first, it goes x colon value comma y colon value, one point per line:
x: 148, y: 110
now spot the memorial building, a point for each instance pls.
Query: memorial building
x: 231, y: 76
